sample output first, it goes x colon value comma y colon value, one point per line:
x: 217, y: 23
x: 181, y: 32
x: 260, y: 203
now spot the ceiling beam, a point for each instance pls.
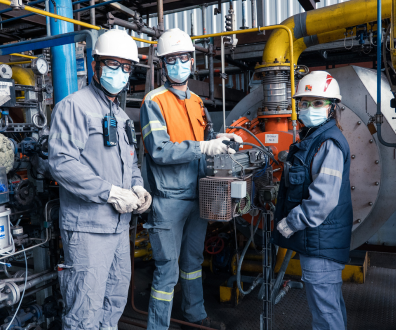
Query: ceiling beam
x: 37, y: 19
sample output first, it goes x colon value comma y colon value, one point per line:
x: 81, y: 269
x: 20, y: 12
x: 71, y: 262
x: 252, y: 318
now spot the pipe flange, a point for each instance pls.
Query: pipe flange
x: 280, y: 112
x: 13, y: 293
x: 273, y: 68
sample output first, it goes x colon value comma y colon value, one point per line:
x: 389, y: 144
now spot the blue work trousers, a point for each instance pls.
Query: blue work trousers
x: 323, y: 283
x: 176, y: 230
x: 94, y: 279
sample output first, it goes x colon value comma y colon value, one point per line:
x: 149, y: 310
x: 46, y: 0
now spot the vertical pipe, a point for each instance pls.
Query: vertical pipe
x: 244, y: 15
x: 290, y: 11
x: 223, y: 82
x: 211, y: 71
x: 160, y: 13
x: 63, y: 57
x: 194, y: 54
x: 267, y: 13
x: 204, y: 31
x: 47, y: 19
x: 185, y: 21
x: 379, y: 39
x: 92, y: 12
x: 254, y: 13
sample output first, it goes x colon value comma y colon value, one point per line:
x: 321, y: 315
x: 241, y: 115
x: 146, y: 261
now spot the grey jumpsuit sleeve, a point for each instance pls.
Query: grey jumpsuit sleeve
x: 137, y: 179
x: 157, y: 141
x: 324, y: 191
x: 68, y: 136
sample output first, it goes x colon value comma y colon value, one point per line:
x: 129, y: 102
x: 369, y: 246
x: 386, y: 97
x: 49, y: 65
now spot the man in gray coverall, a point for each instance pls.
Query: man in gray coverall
x: 99, y: 187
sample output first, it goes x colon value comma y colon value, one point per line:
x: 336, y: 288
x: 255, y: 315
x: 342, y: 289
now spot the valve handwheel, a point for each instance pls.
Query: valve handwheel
x: 214, y: 245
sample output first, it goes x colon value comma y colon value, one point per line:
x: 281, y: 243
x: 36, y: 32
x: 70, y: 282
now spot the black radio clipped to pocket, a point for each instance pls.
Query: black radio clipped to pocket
x: 130, y: 131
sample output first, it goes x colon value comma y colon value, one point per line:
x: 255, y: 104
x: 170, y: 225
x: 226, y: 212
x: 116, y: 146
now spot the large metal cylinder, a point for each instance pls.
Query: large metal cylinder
x: 64, y: 68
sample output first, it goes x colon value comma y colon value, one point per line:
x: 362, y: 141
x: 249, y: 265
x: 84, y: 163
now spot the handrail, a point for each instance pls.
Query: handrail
x: 23, y: 55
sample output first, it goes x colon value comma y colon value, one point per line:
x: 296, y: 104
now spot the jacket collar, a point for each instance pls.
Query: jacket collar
x: 97, y: 91
x: 304, y: 145
x: 179, y: 94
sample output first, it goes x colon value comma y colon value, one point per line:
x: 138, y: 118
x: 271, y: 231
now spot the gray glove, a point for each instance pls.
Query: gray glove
x: 144, y: 198
x: 123, y: 200
x: 284, y: 228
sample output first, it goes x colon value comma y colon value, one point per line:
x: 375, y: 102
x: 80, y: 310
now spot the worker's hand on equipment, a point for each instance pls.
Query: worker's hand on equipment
x: 230, y: 136
x: 123, y: 200
x: 215, y: 147
x: 144, y: 198
x: 284, y: 228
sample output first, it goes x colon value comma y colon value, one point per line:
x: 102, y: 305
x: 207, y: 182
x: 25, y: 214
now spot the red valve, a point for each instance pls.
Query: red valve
x: 214, y: 245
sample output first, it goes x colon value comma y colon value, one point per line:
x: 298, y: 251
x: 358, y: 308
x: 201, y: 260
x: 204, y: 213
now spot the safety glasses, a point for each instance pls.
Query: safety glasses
x: 171, y: 59
x: 316, y: 104
x: 114, y: 65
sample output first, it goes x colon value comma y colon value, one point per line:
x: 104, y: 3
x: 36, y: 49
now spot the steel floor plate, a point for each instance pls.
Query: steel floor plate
x: 370, y: 306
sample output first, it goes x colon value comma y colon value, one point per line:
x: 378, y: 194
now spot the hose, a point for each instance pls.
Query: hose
x: 23, y: 293
x: 281, y: 273
x: 247, y: 131
x: 257, y: 281
x: 286, y: 288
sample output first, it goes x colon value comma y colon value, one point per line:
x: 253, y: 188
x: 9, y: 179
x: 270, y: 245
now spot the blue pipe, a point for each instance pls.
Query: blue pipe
x: 379, y: 115
x: 64, y: 67
x: 16, y: 18
x: 30, y: 4
x: 94, y: 6
x: 79, y: 1
x: 90, y: 36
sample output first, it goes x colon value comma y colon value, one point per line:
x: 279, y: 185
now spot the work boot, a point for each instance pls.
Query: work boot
x: 208, y: 322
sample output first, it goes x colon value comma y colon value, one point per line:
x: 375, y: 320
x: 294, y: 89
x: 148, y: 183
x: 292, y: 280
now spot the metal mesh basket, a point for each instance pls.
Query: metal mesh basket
x: 215, y: 202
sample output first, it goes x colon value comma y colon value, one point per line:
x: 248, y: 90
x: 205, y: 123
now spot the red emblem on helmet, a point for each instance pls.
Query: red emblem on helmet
x: 329, y: 78
x: 308, y: 88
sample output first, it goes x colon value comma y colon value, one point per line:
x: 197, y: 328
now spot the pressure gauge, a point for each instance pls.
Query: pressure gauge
x: 40, y: 66
x: 5, y: 71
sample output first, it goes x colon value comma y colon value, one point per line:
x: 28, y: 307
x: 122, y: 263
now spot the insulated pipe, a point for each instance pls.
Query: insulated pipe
x: 92, y: 12
x: 160, y: 12
x: 63, y: 57
x: 331, y: 18
x: 379, y: 117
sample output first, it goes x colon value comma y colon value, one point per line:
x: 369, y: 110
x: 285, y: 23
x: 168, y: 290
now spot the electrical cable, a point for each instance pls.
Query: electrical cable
x: 240, y: 261
x: 23, y: 293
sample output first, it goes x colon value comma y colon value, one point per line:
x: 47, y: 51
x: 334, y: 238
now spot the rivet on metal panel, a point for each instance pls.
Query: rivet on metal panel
x: 353, y: 187
x: 370, y: 203
x: 377, y: 161
x: 353, y: 156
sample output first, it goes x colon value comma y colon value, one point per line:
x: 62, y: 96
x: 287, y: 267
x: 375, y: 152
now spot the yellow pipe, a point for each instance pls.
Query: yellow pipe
x: 23, y: 55
x: 320, y: 21
x: 70, y: 20
x: 14, y: 63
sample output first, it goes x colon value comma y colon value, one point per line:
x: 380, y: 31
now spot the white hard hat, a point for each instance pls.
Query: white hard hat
x: 318, y: 84
x: 174, y: 41
x: 116, y: 43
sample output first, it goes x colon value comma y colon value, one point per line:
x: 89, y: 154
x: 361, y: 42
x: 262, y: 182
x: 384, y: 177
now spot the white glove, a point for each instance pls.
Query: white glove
x: 123, y: 200
x: 284, y: 228
x: 215, y: 147
x: 144, y: 198
x: 230, y: 136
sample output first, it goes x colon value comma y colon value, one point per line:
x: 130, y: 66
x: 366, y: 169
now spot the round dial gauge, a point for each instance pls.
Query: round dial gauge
x: 40, y: 66
x: 5, y: 71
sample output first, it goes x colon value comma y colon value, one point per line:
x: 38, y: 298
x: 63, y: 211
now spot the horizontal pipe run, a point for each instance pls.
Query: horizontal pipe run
x: 79, y: 1
x: 201, y: 49
x: 14, y: 63
x: 23, y: 55
x: 111, y: 20
x: 16, y: 18
x: 66, y: 19
x: 217, y: 71
x: 95, y: 6
x: 31, y: 3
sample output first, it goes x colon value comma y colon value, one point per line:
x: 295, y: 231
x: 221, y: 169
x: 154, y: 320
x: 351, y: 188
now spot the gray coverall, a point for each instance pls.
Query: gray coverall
x: 95, y: 277
x: 322, y: 277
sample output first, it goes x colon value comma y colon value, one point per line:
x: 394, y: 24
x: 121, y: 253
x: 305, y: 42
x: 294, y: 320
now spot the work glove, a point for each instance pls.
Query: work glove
x: 284, y: 228
x: 230, y: 136
x: 123, y: 200
x: 144, y: 198
x: 215, y: 147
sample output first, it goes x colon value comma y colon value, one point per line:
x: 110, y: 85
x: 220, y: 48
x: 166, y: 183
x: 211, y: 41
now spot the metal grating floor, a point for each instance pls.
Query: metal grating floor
x: 370, y: 306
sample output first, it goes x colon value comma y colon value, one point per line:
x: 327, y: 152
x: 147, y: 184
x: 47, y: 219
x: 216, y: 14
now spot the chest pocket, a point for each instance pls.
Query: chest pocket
x: 296, y: 180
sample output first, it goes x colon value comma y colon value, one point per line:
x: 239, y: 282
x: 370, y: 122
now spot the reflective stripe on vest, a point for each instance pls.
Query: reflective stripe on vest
x: 191, y: 276
x: 162, y: 295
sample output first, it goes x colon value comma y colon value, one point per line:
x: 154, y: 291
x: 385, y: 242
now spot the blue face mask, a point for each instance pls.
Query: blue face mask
x: 313, y: 117
x: 113, y: 80
x: 179, y: 72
